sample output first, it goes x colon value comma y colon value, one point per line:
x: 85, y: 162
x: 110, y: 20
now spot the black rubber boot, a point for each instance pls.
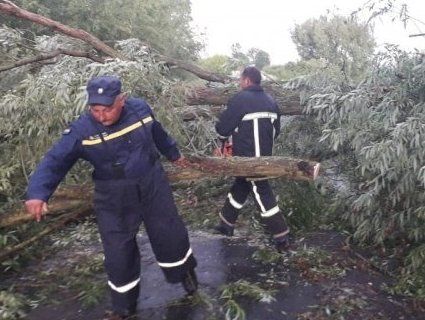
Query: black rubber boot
x: 224, y: 229
x: 190, y: 282
x: 282, y: 244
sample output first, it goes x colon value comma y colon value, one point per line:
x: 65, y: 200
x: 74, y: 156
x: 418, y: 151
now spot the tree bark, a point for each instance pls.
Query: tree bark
x: 254, y: 168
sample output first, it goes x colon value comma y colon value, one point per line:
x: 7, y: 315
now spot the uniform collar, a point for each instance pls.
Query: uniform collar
x: 254, y: 87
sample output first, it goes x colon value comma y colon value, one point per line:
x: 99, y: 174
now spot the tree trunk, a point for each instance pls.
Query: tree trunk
x: 287, y: 100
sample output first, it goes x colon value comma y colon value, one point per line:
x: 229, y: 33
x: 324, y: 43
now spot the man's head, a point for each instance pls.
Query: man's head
x: 250, y: 76
x: 105, y: 99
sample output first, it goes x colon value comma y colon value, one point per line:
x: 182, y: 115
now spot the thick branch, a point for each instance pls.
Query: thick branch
x: 51, y: 55
x: 57, y: 208
x: 9, y: 8
x: 201, y: 73
x: 288, y: 101
x: 73, y: 215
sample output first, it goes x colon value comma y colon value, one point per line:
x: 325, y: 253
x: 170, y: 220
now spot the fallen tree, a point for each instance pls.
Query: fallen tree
x: 289, y: 101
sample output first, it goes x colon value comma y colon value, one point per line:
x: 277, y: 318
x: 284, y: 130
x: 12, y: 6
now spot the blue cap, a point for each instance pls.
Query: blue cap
x: 103, y: 90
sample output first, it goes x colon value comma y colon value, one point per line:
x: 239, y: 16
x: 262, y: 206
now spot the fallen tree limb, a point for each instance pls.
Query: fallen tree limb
x: 199, y: 72
x: 51, y: 55
x: 56, y: 208
x: 73, y: 215
x: 11, y: 9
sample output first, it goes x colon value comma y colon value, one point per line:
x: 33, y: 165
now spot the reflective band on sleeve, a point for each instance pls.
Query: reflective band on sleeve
x: 284, y: 233
x: 233, y: 202
x: 257, y: 197
x: 178, y: 263
x: 120, y: 133
x: 125, y: 288
x: 270, y: 212
x: 224, y: 220
x: 258, y: 115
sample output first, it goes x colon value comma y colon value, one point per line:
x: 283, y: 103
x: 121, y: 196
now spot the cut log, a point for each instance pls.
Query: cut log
x: 254, y: 168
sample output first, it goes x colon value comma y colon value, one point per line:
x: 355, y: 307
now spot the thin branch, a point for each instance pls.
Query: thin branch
x: 416, y: 35
x: 51, y: 55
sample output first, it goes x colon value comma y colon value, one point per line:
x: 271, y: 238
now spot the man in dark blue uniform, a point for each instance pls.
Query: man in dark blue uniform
x: 121, y: 138
x: 252, y: 118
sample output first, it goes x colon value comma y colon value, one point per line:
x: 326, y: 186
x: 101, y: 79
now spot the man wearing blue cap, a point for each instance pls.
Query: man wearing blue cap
x: 121, y: 138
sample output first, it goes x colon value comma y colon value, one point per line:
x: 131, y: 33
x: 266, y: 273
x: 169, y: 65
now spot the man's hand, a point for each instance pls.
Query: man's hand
x: 182, y: 162
x: 225, y: 151
x: 36, y: 208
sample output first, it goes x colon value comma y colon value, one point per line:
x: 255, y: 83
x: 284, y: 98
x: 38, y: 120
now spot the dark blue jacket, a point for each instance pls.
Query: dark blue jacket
x: 252, y: 118
x: 126, y: 149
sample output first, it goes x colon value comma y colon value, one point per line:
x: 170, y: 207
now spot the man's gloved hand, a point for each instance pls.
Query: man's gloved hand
x: 226, y: 150
x: 36, y: 208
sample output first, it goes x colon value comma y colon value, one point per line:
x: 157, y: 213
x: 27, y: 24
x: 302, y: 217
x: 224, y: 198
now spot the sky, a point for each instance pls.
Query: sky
x: 266, y: 24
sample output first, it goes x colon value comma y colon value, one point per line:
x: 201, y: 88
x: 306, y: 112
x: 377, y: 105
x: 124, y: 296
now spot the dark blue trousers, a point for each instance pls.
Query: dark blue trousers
x: 121, y: 206
x: 271, y: 216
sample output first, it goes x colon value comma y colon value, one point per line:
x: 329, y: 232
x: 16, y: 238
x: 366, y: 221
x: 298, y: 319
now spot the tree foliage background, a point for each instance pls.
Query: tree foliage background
x: 164, y: 24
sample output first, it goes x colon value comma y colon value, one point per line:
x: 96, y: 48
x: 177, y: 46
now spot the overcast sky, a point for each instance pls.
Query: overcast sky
x: 266, y: 24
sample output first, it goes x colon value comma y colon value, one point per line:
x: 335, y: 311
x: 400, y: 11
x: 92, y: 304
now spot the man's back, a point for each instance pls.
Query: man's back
x: 252, y: 118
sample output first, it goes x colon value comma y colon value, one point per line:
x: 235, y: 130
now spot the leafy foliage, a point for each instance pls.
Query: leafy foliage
x: 217, y: 63
x: 164, y: 24
x: 39, y: 107
x: 380, y: 125
x: 12, y: 305
x: 340, y: 41
x: 253, y: 56
x: 242, y: 288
